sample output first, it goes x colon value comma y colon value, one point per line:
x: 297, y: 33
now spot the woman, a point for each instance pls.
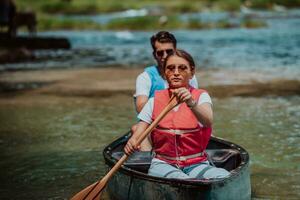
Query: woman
x: 180, y: 139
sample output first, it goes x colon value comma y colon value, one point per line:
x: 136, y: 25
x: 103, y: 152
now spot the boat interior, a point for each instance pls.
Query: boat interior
x: 227, y: 158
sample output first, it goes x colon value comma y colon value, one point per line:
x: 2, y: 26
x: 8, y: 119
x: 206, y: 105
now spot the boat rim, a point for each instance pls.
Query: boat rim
x: 109, y: 160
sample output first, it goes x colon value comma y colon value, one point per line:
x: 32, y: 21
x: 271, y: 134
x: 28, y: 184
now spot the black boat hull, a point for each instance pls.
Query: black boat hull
x: 131, y: 181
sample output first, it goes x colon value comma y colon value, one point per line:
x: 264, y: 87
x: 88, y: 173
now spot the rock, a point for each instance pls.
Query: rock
x: 16, y: 55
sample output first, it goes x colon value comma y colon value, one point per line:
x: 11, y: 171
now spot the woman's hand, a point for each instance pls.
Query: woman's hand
x: 131, y: 146
x: 184, y: 95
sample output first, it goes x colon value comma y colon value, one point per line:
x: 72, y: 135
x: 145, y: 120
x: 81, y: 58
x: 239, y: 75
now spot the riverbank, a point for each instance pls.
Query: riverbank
x: 143, y: 23
x: 154, y: 15
x: 107, y: 82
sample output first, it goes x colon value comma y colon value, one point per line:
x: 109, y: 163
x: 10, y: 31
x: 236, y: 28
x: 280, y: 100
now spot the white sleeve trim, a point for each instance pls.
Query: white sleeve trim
x: 204, y: 98
x: 146, y: 113
x: 143, y: 84
x: 194, y: 82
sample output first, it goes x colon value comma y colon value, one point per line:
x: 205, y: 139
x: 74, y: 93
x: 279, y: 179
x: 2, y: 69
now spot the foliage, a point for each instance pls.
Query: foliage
x: 184, y: 7
x: 229, y: 5
x: 156, y: 8
x: 195, y: 24
x: 174, y: 22
x: 268, y: 4
x: 289, y: 3
x: 262, y: 4
x: 143, y: 23
x: 166, y: 7
x: 51, y: 23
x: 253, y: 24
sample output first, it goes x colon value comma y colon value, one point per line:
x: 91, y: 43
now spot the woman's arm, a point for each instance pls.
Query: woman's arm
x: 203, y: 112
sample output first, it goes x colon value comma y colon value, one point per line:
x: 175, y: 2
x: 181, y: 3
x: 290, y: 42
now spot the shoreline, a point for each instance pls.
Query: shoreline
x: 107, y: 82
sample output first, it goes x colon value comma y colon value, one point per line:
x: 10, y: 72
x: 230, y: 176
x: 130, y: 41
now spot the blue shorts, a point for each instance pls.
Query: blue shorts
x: 201, y: 170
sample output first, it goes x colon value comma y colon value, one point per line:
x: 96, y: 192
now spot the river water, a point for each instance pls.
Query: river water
x: 51, y: 146
x: 275, y: 47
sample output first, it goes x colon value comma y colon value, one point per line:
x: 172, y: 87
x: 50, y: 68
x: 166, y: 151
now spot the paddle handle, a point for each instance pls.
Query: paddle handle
x: 172, y: 103
x: 93, y: 191
x: 114, y: 169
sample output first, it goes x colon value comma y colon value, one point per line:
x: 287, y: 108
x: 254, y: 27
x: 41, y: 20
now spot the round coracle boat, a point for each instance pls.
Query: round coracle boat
x: 132, y: 182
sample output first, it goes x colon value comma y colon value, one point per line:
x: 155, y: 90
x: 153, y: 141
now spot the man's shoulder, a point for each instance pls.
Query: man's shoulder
x: 153, y: 73
x: 151, y: 69
x: 143, y: 76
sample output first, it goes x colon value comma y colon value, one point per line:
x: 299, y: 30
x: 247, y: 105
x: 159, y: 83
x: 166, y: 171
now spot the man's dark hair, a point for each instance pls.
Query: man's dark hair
x: 163, y: 37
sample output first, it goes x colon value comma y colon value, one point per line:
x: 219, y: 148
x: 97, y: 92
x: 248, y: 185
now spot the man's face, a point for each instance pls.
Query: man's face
x: 178, y: 72
x: 162, y: 51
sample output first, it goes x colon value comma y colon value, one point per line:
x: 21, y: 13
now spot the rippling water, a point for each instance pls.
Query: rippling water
x: 51, y: 147
x: 276, y: 46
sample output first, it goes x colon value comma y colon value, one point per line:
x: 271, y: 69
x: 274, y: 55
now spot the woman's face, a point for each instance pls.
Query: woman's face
x: 178, y: 72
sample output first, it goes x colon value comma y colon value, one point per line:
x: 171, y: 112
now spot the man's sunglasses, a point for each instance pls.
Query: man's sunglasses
x: 160, y: 53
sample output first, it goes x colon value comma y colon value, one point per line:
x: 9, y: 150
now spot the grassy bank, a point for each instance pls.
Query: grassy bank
x: 104, y: 6
x: 154, y: 6
x: 141, y: 23
x: 53, y: 23
x: 47, y: 13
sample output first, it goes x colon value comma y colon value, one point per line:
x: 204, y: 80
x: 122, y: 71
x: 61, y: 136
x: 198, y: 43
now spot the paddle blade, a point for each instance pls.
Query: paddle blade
x: 91, y: 192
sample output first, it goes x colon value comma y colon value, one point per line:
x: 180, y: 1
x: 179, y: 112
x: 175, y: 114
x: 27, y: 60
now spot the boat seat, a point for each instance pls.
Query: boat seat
x: 228, y: 159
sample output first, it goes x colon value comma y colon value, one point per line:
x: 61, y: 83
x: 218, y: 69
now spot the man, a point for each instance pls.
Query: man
x: 163, y: 44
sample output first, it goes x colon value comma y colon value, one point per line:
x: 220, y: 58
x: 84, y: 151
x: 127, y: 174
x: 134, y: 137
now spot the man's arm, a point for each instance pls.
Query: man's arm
x: 140, y: 102
x: 131, y: 145
x: 143, y: 85
x: 145, y: 116
x: 145, y: 145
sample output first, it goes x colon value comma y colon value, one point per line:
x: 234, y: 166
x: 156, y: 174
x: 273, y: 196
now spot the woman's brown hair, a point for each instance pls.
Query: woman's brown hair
x: 183, y: 54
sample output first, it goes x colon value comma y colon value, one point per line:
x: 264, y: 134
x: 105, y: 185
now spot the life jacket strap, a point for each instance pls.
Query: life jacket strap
x: 180, y: 158
x: 179, y: 131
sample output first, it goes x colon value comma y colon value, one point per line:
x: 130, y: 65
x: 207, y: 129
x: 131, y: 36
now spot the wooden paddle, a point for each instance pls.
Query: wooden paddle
x: 94, y: 191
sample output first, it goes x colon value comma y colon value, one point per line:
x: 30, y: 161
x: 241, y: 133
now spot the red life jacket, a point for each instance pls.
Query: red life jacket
x: 179, y: 139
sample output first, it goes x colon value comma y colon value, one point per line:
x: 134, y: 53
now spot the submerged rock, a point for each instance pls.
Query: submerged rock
x: 16, y: 55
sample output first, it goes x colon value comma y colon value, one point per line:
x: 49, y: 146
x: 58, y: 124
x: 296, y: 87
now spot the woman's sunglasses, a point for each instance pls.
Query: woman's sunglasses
x: 160, y: 53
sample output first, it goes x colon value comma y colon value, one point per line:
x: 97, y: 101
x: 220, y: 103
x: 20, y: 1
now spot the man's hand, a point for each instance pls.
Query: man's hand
x: 131, y: 146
